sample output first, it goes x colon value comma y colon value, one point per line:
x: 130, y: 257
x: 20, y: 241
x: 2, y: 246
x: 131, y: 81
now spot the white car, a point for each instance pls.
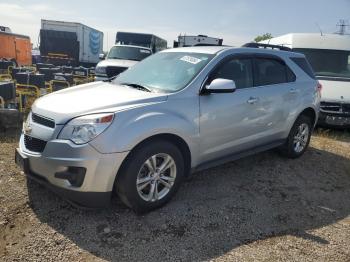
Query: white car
x: 118, y: 59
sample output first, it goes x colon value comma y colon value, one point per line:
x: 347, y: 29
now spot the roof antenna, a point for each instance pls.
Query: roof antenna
x: 342, y: 24
x: 319, y: 28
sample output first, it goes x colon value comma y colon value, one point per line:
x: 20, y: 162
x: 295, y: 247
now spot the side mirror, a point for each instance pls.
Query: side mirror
x: 101, y: 56
x: 220, y: 85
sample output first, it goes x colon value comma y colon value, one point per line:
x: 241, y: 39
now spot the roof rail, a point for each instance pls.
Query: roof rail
x: 260, y: 45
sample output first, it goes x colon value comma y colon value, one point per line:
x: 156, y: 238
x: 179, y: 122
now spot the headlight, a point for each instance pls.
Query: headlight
x: 83, y: 129
x: 101, y: 70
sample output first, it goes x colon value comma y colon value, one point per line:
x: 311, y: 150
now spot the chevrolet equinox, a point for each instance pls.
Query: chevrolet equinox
x: 178, y: 111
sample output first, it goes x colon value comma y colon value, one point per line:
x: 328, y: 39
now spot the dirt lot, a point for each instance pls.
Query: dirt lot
x: 261, y: 208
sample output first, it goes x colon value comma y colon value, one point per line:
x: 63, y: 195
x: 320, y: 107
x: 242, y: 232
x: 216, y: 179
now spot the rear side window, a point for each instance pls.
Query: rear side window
x: 269, y: 71
x: 290, y: 75
x: 304, y: 65
x: 238, y: 69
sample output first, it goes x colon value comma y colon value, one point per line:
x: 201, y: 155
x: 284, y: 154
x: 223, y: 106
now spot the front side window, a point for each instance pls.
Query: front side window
x: 271, y: 71
x: 128, y: 53
x: 165, y: 72
x: 238, y: 69
x: 328, y: 63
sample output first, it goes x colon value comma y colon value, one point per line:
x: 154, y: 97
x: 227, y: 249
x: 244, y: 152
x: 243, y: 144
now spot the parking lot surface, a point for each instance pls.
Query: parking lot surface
x: 260, y: 208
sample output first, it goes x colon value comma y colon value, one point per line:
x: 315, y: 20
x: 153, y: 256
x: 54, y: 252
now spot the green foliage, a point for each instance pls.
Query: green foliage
x: 263, y: 37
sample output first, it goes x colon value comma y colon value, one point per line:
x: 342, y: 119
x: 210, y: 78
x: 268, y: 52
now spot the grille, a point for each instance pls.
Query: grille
x: 34, y: 144
x: 114, y: 70
x: 346, y: 108
x: 43, y: 121
x: 335, y: 107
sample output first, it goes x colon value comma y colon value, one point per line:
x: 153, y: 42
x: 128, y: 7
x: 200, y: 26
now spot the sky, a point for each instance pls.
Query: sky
x: 236, y: 21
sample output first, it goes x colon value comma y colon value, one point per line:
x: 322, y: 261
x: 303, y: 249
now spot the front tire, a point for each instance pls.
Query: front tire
x: 298, y: 139
x: 150, y: 176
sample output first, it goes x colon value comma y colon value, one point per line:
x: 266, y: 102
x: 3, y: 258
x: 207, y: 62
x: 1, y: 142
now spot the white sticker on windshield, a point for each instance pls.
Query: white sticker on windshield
x: 190, y: 59
x: 145, y: 51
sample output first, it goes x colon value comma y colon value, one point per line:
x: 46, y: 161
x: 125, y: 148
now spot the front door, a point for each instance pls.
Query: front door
x: 231, y: 122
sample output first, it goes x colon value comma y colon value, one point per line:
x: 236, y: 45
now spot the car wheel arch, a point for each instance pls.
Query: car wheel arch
x: 174, y: 139
x: 309, y: 112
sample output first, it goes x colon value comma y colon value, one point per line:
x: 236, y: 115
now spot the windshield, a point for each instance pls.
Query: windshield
x: 328, y: 63
x: 165, y: 72
x: 128, y: 53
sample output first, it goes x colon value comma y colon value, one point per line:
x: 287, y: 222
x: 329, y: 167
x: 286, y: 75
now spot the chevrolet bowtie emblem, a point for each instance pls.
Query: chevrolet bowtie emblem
x: 27, y: 128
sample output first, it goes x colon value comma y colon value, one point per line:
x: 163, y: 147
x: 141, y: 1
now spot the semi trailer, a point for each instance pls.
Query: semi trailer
x: 69, y: 43
x: 15, y: 47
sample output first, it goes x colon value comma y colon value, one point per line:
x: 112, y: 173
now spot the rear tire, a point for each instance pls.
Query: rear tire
x: 150, y: 176
x: 298, y: 139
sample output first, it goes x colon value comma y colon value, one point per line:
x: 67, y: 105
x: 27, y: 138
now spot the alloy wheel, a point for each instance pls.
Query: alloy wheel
x: 301, y: 137
x: 156, y: 177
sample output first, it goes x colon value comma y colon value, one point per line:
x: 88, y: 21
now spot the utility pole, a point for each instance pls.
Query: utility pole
x: 342, y: 24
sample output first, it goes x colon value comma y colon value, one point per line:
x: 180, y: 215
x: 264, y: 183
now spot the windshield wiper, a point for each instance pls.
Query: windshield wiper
x: 110, y: 79
x: 137, y: 86
x: 124, y: 58
x: 133, y: 59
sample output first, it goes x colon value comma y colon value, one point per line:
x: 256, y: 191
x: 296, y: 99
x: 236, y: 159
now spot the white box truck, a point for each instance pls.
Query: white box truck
x: 197, y: 40
x: 63, y: 43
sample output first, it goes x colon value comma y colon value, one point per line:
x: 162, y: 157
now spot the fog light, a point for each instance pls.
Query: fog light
x: 74, y: 175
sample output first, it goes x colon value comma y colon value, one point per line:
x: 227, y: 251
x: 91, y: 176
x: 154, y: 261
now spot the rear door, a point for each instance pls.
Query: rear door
x: 278, y: 96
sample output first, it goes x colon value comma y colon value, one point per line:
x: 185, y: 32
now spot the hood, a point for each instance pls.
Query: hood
x: 117, y: 63
x: 91, y: 98
x: 337, y: 91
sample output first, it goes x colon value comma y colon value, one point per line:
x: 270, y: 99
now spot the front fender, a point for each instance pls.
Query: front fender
x: 131, y: 127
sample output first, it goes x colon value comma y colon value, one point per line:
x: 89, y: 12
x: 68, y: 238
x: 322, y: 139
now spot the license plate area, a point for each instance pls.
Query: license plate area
x: 22, y: 161
x: 337, y: 120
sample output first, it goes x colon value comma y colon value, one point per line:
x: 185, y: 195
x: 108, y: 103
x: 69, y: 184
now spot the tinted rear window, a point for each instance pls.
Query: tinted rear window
x: 304, y: 65
x: 272, y: 71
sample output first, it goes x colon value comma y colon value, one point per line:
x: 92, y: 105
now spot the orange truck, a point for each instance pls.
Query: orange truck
x: 14, y: 47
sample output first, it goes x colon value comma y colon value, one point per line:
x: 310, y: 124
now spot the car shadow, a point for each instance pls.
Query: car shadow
x: 214, y: 212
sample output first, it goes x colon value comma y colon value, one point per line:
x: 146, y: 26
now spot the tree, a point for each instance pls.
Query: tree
x: 263, y: 37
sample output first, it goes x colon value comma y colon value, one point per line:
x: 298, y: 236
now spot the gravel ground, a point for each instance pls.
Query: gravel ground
x: 260, y: 208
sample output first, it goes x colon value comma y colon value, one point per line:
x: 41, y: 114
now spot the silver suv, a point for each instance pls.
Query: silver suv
x: 176, y: 112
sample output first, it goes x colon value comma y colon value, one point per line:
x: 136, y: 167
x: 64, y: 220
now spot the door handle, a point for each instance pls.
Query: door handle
x: 252, y: 100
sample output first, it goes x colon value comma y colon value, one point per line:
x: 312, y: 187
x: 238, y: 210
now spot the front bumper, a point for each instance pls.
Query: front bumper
x: 328, y: 119
x: 60, y: 155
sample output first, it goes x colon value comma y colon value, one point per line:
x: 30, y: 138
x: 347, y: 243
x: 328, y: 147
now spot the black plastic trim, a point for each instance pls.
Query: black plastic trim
x: 85, y: 200
x: 235, y: 156
x: 43, y: 120
x: 322, y: 120
x: 260, y: 45
x: 75, y: 175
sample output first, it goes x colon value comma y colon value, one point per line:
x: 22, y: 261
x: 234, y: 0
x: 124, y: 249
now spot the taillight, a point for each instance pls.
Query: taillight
x: 319, y: 87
